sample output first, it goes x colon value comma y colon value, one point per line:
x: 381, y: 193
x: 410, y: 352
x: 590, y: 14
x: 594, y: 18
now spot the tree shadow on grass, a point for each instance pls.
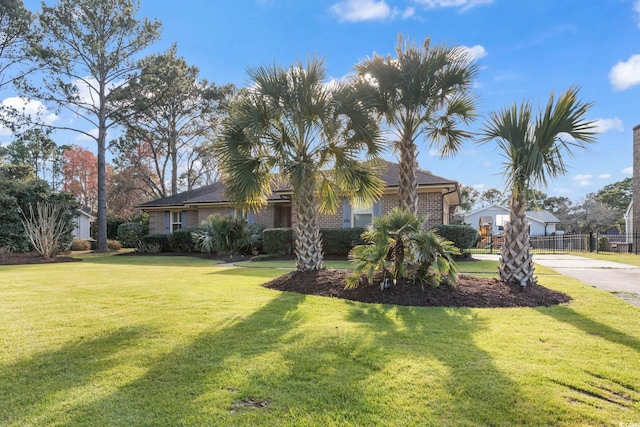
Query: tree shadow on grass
x: 30, y: 386
x: 568, y: 315
x: 171, y: 391
x: 476, y: 390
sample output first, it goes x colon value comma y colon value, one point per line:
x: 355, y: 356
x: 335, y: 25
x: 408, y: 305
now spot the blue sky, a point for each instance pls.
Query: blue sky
x: 525, y: 50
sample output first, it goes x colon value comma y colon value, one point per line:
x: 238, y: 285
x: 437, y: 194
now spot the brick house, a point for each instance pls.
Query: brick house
x: 437, y: 199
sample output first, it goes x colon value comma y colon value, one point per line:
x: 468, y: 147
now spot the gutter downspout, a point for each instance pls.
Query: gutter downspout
x: 455, y: 188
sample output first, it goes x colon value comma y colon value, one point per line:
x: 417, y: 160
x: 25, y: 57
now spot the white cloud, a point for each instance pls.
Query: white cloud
x: 627, y: 171
x: 409, y: 12
x: 36, y: 111
x: 433, y: 152
x: 87, y: 89
x: 479, y: 187
x: 362, y: 10
x: 604, y: 176
x: 462, y: 4
x: 582, y: 180
x: 475, y: 52
x: 623, y: 75
x: 604, y: 125
x: 82, y: 137
x: 636, y: 9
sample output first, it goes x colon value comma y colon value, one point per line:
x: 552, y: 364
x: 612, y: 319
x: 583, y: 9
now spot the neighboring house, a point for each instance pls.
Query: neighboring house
x: 83, y: 221
x: 628, y: 220
x: 437, y: 199
x: 541, y: 223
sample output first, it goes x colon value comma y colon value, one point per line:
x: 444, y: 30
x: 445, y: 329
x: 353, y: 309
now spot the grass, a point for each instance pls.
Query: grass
x: 125, y: 341
x: 630, y: 259
x: 479, y: 268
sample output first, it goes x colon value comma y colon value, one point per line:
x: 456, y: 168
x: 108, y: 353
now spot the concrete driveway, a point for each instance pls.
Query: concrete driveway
x: 623, y: 280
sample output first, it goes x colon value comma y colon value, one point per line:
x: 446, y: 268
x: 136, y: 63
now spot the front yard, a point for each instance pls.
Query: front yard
x: 180, y: 341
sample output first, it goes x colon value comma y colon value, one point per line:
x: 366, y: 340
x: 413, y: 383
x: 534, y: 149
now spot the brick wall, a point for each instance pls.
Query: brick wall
x: 156, y: 222
x: 636, y: 179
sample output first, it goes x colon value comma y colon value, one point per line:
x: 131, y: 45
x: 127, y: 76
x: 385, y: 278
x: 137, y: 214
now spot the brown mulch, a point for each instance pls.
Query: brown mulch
x: 469, y: 292
x: 18, y: 258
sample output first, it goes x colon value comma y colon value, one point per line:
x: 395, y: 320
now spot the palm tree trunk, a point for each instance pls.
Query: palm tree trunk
x: 308, y: 242
x: 408, y: 185
x: 516, y: 263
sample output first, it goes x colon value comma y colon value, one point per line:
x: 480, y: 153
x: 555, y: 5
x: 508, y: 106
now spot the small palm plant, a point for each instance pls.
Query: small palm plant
x: 223, y: 235
x: 399, y: 248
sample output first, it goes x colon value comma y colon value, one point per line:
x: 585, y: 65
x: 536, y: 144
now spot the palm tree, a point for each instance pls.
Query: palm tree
x: 292, y: 125
x: 422, y: 91
x: 534, y: 149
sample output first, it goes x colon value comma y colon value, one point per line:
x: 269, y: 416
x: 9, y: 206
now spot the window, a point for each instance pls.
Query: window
x: 176, y: 220
x: 362, y: 216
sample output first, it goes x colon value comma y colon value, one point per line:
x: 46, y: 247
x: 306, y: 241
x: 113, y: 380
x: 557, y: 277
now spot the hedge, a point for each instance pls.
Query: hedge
x: 130, y: 234
x: 277, y: 241
x: 463, y: 236
x: 339, y: 241
x: 155, y: 243
x: 182, y: 240
x: 335, y: 241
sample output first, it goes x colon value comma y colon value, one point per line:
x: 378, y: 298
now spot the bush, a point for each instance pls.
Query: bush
x: 256, y: 239
x: 154, y: 243
x: 130, y: 234
x: 339, y: 241
x: 112, y: 227
x: 183, y: 240
x: 463, y: 236
x: 277, y: 241
x: 399, y: 248
x: 80, y: 245
x: 603, y: 244
x: 114, y: 245
x: 223, y: 235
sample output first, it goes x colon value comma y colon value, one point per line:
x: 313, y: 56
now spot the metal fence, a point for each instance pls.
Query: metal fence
x: 567, y: 243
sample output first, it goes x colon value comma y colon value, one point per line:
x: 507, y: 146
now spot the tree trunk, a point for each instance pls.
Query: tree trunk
x: 308, y: 242
x: 408, y: 185
x: 101, y: 240
x: 516, y: 263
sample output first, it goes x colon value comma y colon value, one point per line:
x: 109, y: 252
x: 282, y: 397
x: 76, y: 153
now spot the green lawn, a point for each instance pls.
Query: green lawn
x: 481, y: 268
x: 630, y: 259
x: 123, y: 341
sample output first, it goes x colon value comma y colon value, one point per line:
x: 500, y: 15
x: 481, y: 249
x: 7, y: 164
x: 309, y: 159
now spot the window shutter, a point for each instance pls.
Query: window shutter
x: 167, y: 222
x: 346, y: 214
x: 377, y: 209
x: 251, y: 217
x: 183, y: 219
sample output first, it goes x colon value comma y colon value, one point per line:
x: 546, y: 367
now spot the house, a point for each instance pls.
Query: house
x: 628, y: 220
x: 494, y: 218
x: 83, y: 222
x: 437, y: 199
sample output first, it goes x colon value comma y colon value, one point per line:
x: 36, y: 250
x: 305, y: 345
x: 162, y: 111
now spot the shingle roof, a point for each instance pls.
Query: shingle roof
x: 543, y: 216
x: 214, y: 193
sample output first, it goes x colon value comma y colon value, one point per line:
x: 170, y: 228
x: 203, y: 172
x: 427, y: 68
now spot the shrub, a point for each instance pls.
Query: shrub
x: 463, y: 236
x: 112, y: 227
x: 399, y: 249
x: 277, y: 241
x: 46, y: 227
x: 256, y: 240
x: 130, y: 234
x: 114, y: 245
x: 339, y: 241
x: 154, y: 243
x: 223, y: 235
x: 603, y: 244
x: 183, y: 240
x: 80, y: 245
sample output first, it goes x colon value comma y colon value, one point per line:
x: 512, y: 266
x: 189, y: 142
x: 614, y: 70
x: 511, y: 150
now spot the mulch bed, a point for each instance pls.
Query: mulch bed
x: 469, y: 292
x: 32, y: 258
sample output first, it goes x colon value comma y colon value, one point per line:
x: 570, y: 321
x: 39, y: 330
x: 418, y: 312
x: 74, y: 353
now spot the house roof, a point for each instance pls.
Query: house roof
x: 214, y: 193
x: 539, y: 216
